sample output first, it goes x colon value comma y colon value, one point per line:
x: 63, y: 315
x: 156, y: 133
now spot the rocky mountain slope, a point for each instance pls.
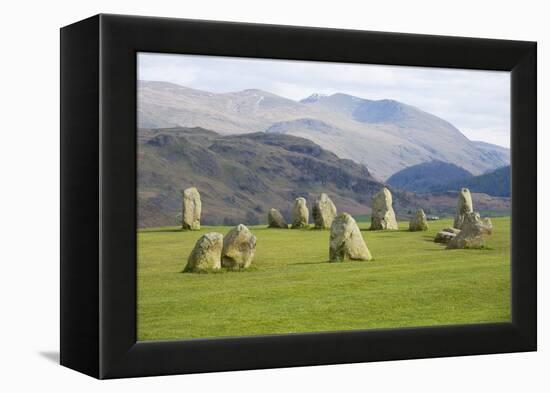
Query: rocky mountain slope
x: 384, y: 135
x: 241, y: 176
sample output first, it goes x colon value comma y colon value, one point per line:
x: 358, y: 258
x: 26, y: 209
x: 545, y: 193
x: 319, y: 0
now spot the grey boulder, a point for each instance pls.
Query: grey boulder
x: 191, y: 209
x: 346, y: 241
x: 419, y: 221
x: 473, y: 233
x: 275, y: 219
x: 464, y: 206
x: 239, y: 246
x: 300, y: 214
x: 383, y: 216
x: 324, y: 212
x: 206, y: 254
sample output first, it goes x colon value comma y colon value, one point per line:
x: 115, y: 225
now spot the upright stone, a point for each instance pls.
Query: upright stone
x: 383, y: 216
x: 191, y: 210
x: 464, y: 206
x: 473, y: 233
x: 419, y: 221
x: 300, y: 214
x: 275, y: 219
x: 206, y: 254
x: 346, y: 241
x: 239, y: 246
x: 323, y: 212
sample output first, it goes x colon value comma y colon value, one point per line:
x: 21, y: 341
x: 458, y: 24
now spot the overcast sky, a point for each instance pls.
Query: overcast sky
x: 476, y: 102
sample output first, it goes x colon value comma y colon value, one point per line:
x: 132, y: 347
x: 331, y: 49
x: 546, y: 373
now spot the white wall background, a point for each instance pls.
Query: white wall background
x: 29, y: 201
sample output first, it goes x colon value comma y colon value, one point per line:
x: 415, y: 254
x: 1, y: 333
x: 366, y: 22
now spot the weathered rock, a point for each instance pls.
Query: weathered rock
x: 206, y: 254
x: 419, y: 221
x: 346, y: 241
x: 452, y: 230
x: 239, y: 246
x: 473, y: 233
x: 463, y: 207
x: 275, y: 219
x: 323, y: 212
x: 383, y: 216
x: 191, y: 210
x: 300, y: 214
x: 444, y: 236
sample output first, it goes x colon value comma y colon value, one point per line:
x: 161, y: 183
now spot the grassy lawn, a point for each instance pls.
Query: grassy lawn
x: 292, y: 287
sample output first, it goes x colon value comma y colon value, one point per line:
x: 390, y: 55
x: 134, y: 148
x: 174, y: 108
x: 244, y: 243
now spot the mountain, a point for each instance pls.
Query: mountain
x: 426, y: 176
x: 385, y: 135
x: 495, y: 183
x: 241, y: 176
x: 500, y: 155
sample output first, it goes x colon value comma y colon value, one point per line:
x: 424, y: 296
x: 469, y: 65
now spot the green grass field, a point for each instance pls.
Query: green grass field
x: 292, y: 287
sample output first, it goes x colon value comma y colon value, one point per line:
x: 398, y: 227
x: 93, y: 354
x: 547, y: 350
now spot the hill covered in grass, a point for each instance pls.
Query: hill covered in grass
x: 424, y: 177
x: 496, y: 183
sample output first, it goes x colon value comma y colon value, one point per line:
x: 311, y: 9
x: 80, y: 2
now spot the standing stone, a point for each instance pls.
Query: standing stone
x: 275, y: 219
x: 419, y: 221
x: 473, y: 233
x: 323, y: 212
x: 300, y: 214
x: 191, y: 210
x: 239, y: 246
x: 464, y: 206
x: 206, y: 254
x: 346, y: 241
x: 383, y: 216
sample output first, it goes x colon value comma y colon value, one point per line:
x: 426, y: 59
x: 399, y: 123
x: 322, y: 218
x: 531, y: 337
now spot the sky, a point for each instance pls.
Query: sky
x: 476, y: 102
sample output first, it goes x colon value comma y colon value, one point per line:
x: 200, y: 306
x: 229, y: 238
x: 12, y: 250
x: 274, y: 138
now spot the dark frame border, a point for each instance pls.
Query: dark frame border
x: 98, y: 173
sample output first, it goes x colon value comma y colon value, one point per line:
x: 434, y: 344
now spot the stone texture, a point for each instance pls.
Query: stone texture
x: 324, y: 212
x: 239, y: 246
x: 463, y: 207
x: 444, y: 236
x: 346, y: 241
x: 191, y: 209
x: 300, y: 214
x: 275, y: 219
x: 206, y: 254
x: 452, y: 230
x: 473, y: 233
x: 419, y: 221
x: 383, y: 216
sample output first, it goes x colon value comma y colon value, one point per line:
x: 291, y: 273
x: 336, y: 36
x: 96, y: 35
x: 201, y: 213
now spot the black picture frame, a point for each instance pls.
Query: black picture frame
x: 98, y: 195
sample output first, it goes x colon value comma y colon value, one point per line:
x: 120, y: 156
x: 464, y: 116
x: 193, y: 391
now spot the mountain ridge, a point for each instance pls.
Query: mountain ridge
x: 384, y: 135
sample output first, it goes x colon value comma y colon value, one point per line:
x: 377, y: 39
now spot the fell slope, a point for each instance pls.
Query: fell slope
x: 384, y: 135
x: 241, y: 176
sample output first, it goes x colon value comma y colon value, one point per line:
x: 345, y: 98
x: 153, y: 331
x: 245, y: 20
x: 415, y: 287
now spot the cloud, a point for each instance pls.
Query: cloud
x: 476, y: 102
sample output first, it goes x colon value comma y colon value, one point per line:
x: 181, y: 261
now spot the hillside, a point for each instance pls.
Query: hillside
x: 496, y: 183
x: 424, y: 177
x: 500, y: 155
x: 384, y: 135
x: 241, y: 176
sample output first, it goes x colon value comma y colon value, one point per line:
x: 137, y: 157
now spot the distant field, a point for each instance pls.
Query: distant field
x: 292, y: 287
